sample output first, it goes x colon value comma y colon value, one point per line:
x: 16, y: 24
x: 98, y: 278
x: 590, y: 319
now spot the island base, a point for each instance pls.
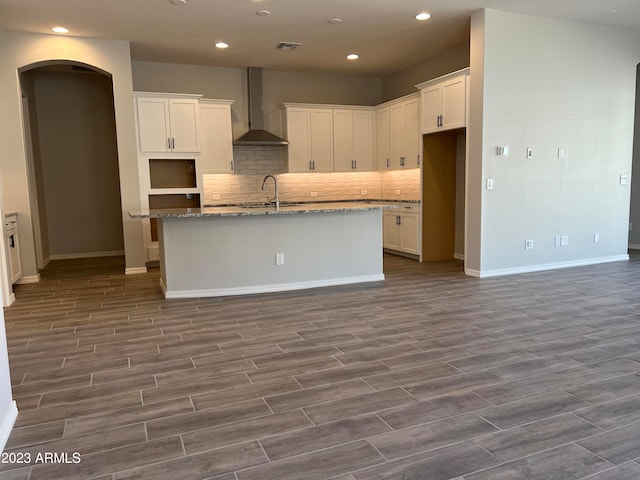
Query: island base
x: 238, y: 255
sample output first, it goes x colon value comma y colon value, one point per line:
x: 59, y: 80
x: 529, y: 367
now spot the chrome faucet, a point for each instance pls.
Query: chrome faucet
x: 275, y: 186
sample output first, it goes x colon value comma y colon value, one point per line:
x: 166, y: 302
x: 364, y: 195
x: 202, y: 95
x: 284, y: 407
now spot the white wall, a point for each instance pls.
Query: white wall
x: 8, y: 409
x: 18, y: 50
x: 634, y: 218
x: 550, y: 84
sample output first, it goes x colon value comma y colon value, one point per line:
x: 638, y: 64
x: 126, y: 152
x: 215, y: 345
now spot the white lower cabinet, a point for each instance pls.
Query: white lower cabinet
x: 401, y: 229
x: 13, y: 251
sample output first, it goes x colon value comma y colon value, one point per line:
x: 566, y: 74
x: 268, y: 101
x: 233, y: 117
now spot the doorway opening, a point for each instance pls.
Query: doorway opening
x: 443, y: 197
x: 72, y: 161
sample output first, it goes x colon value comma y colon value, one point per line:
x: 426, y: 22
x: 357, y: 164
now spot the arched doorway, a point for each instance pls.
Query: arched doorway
x: 72, y: 161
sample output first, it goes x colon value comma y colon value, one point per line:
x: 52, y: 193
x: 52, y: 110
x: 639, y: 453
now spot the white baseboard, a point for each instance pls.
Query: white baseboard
x: 458, y: 256
x: 70, y: 256
x: 543, y: 267
x: 280, y: 287
x: 46, y: 261
x: 634, y: 246
x: 7, y: 424
x: 135, y: 270
x: 29, y: 279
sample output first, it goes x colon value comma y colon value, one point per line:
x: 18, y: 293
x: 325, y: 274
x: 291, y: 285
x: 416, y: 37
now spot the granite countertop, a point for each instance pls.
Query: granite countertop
x: 260, y: 209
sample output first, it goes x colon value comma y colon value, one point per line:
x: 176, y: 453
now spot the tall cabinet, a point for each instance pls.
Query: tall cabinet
x: 180, y: 138
x: 398, y: 133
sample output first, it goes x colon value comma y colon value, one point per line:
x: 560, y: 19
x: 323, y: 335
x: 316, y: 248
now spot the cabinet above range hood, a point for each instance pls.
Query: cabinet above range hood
x: 257, y: 135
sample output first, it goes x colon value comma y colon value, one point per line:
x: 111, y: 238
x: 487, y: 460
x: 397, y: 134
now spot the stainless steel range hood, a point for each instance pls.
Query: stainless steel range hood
x: 257, y: 135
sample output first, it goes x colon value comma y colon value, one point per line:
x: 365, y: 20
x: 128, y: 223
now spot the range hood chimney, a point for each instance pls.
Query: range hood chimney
x: 257, y: 135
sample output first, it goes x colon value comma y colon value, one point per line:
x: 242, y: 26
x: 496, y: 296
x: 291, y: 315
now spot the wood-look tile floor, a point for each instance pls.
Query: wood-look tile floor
x: 428, y: 375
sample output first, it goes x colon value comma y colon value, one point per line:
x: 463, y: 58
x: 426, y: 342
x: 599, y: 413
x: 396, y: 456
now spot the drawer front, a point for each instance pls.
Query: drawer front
x: 408, y: 208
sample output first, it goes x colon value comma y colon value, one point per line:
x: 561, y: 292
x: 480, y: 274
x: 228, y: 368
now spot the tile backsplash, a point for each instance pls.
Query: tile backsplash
x: 244, y: 185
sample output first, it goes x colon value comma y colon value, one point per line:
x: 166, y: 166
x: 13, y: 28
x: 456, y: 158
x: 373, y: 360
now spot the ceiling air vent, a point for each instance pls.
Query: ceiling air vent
x: 288, y: 45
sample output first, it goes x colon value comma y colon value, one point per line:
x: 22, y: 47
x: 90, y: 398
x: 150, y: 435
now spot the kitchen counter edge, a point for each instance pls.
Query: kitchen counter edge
x: 235, y: 211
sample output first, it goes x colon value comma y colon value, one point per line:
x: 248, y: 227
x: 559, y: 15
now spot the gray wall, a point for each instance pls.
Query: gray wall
x: 278, y: 87
x: 574, y: 89
x: 78, y: 160
x: 403, y: 82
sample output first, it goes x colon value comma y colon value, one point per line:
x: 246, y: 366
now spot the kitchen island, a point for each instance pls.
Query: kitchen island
x: 235, y: 250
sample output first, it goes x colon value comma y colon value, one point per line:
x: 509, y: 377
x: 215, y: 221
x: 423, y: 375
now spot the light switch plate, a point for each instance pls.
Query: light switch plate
x: 489, y: 183
x: 624, y: 179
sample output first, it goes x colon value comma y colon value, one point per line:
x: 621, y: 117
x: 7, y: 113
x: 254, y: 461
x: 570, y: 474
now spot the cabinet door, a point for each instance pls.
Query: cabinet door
x: 412, y: 132
x: 397, y: 136
x: 390, y: 231
x: 154, y: 130
x: 363, y: 140
x: 298, y: 135
x: 431, y: 99
x: 343, y: 140
x: 216, y: 138
x: 409, y: 233
x: 453, y: 103
x: 14, y: 254
x: 184, y: 119
x: 382, y: 139
x: 321, y: 122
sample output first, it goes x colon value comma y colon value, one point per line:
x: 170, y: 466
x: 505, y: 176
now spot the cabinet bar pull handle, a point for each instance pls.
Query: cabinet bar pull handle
x: 355, y: 164
x: 313, y: 164
x: 169, y: 143
x: 309, y: 164
x: 12, y: 243
x: 402, y: 161
x: 387, y: 163
x: 418, y: 159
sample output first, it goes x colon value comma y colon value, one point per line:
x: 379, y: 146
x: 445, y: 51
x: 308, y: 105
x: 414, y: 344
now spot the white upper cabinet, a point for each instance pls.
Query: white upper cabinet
x: 444, y: 102
x: 352, y: 140
x: 383, y: 139
x: 216, y: 137
x: 310, y: 135
x: 321, y: 122
x: 398, y: 133
x: 167, y: 124
x: 326, y: 138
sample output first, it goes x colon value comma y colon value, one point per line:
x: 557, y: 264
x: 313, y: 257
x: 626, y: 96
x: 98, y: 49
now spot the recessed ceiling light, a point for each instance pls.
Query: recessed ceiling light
x: 60, y: 30
x: 179, y: 2
x: 423, y: 16
x: 221, y: 45
x: 335, y: 21
x: 263, y: 13
x: 353, y: 56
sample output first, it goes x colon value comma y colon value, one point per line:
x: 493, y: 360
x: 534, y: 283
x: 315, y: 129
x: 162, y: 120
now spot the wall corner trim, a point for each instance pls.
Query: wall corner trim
x: 29, y: 279
x: 7, y: 424
x: 135, y: 270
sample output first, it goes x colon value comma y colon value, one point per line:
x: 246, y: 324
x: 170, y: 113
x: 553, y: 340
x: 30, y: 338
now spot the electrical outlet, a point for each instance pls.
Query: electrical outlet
x: 596, y: 237
x: 557, y: 241
x: 624, y: 179
x: 489, y: 183
x: 279, y: 258
x: 314, y: 194
x: 564, y: 240
x: 528, y: 244
x: 561, y: 153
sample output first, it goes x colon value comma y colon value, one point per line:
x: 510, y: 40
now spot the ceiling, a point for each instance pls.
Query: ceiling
x: 383, y: 32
